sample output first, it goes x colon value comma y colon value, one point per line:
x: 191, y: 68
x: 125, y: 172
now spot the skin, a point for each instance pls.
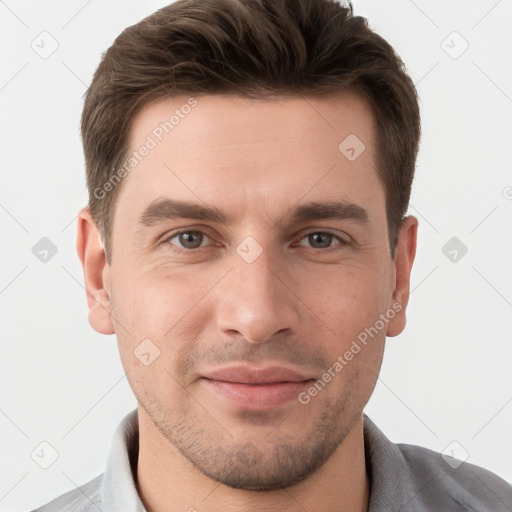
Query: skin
x: 298, y: 304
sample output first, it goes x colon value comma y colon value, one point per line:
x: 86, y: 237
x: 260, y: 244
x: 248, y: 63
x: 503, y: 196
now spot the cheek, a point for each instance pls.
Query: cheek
x: 349, y: 301
x: 151, y: 313
x: 160, y: 314
x: 156, y: 385
x: 151, y: 303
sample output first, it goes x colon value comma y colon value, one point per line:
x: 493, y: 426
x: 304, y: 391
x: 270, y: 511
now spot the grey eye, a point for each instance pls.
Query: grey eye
x: 320, y: 240
x: 189, y: 239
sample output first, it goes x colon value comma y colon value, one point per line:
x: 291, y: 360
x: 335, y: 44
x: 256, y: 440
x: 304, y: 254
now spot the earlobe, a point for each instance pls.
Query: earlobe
x: 404, y: 259
x: 96, y: 272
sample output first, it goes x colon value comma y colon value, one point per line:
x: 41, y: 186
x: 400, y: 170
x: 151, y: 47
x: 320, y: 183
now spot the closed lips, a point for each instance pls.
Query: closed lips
x: 257, y: 376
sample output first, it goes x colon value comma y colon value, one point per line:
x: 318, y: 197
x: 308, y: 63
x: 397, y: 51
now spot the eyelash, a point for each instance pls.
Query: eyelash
x: 342, y: 243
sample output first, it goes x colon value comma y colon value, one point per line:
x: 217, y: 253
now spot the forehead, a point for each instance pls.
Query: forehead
x: 288, y: 120
x: 247, y: 154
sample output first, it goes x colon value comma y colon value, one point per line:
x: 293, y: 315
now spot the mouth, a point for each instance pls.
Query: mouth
x: 256, y: 389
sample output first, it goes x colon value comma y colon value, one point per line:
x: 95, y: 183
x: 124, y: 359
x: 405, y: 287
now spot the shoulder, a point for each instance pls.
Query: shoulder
x: 86, y: 498
x: 440, y: 480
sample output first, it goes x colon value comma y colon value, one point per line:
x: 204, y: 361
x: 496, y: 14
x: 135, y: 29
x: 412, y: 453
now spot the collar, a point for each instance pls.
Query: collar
x: 385, y: 467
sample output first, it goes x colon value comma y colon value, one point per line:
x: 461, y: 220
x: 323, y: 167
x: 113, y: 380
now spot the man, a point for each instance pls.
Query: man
x: 249, y: 166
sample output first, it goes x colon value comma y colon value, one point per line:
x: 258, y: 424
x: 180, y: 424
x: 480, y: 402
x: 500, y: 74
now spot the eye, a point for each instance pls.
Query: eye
x: 188, y: 239
x: 195, y: 239
x: 322, y: 240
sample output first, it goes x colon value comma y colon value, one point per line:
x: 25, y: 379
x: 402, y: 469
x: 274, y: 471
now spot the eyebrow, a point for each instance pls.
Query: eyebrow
x: 167, y: 209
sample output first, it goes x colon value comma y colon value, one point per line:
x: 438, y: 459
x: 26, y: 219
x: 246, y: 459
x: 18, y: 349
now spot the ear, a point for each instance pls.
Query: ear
x: 404, y: 258
x: 96, y: 272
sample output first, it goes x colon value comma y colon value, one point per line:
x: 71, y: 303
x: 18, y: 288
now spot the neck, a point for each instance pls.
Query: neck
x: 166, y: 479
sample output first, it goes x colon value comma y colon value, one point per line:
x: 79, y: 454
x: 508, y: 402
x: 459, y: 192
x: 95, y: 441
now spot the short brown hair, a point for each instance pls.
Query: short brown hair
x: 249, y: 48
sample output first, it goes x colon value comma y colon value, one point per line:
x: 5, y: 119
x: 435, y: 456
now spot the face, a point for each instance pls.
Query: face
x: 251, y: 285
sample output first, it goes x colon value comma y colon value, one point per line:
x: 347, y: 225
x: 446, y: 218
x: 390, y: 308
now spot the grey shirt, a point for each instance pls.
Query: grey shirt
x: 402, y: 478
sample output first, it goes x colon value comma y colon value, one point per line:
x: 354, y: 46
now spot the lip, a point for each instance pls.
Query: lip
x: 246, y: 375
x: 256, y: 389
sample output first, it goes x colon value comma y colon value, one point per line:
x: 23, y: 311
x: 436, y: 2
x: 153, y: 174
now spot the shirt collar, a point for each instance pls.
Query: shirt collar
x: 384, y: 465
x: 391, y: 486
x: 119, y: 493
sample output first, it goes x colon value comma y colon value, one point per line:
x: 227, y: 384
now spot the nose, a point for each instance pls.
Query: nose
x: 257, y: 301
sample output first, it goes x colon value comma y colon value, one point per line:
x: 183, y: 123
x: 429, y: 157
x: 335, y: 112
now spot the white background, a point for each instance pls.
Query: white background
x: 447, y: 378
